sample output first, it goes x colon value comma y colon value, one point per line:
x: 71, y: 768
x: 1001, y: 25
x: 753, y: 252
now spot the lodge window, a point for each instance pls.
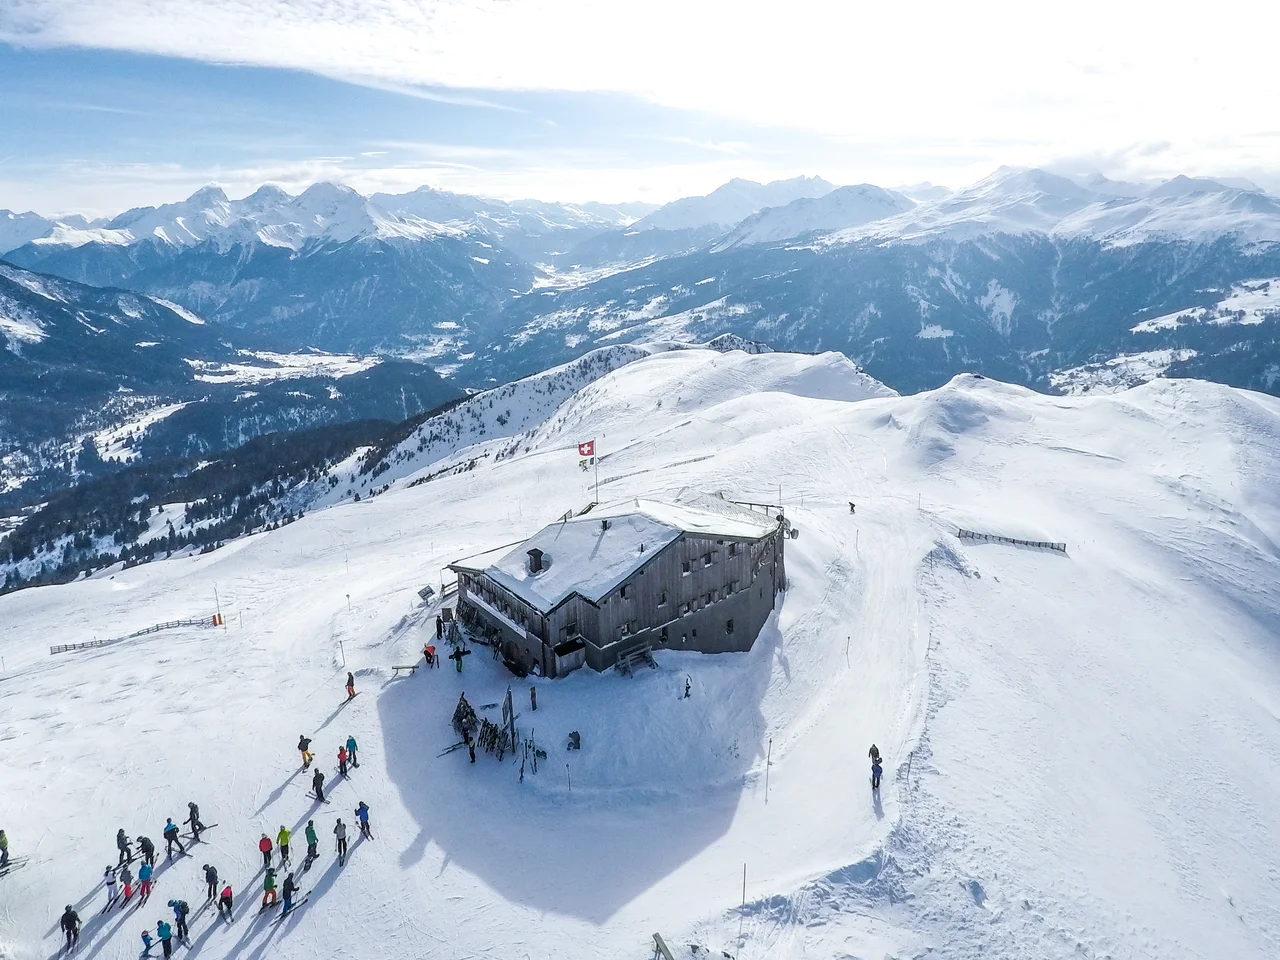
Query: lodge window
x: 625, y: 628
x: 685, y: 607
x: 711, y: 598
x: 733, y: 549
x: 662, y: 598
x: 623, y: 592
x: 662, y: 637
x: 728, y: 626
x: 732, y: 587
x: 684, y: 568
x: 706, y: 559
x: 694, y: 631
x: 570, y: 628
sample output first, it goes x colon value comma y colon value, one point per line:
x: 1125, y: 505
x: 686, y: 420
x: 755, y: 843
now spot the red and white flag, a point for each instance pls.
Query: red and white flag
x: 587, y: 449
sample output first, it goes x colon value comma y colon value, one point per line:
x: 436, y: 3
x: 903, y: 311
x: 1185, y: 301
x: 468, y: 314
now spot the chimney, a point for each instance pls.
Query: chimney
x: 535, y: 560
x: 604, y: 525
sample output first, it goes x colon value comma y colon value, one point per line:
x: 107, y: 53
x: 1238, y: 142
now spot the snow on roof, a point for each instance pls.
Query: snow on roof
x: 581, y: 555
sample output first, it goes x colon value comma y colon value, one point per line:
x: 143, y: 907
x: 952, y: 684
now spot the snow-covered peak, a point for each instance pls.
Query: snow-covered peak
x: 19, y: 228
x: 1180, y: 186
x: 732, y: 203
x: 843, y: 207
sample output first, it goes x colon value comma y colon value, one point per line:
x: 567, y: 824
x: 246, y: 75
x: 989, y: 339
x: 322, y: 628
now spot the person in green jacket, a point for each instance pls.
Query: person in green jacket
x: 312, y: 840
x: 269, y: 887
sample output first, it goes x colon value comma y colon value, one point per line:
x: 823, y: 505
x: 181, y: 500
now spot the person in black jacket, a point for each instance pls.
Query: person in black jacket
x: 171, y: 837
x: 70, y: 924
x: 122, y: 844
x: 317, y: 784
x: 147, y: 850
x: 211, y: 881
x: 194, y: 820
x: 289, y: 889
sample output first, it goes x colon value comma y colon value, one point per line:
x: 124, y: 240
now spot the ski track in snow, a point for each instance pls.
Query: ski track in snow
x: 1081, y: 749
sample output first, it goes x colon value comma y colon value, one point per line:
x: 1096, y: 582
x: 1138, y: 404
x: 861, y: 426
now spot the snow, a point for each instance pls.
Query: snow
x: 731, y: 203
x: 1118, y: 373
x: 842, y: 207
x: 110, y: 442
x: 1248, y: 304
x: 180, y: 310
x: 934, y: 331
x: 1081, y: 750
x: 282, y: 366
x: 19, y: 325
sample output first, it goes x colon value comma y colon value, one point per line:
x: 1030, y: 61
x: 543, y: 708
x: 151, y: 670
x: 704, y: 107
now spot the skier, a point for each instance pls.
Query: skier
x: 147, y: 850
x: 351, y: 751
x: 340, y: 831
x: 351, y: 685
x: 210, y: 881
x: 289, y: 889
x: 269, y: 888
x: 304, y: 747
x: 4, y: 850
x: 180, y: 911
x: 194, y: 820
x: 126, y: 881
x: 225, y: 901
x: 317, y: 784
x: 471, y: 749
x: 874, y: 753
x: 312, y: 841
x: 70, y: 924
x: 362, y: 814
x: 264, y: 845
x: 122, y: 844
x: 146, y: 943
x: 875, y: 774
x: 144, y: 880
x: 282, y: 841
x: 342, y: 761
x: 165, y: 933
x: 109, y: 878
x: 439, y: 628
x: 171, y: 837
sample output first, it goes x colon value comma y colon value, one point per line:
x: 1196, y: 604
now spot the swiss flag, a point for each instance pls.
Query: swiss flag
x: 587, y: 449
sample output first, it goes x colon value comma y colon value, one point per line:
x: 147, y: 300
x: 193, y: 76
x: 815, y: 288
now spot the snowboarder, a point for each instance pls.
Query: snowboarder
x: 4, y: 850
x: 874, y: 753
x: 340, y: 832
x: 70, y: 924
x: 282, y: 841
x: 342, y: 761
x: 210, y: 881
x: 439, y: 628
x: 351, y: 685
x: 269, y: 888
x: 171, y: 837
x: 264, y: 845
x: 304, y: 748
x: 312, y: 841
x: 109, y: 878
x: 180, y: 911
x: 362, y: 814
x: 224, y: 901
x: 165, y: 933
x: 122, y: 844
x: 875, y: 774
x: 194, y: 820
x: 317, y: 784
x: 351, y: 751
x: 147, y: 850
x: 126, y: 880
x: 146, y: 943
x: 289, y: 889
x: 144, y: 880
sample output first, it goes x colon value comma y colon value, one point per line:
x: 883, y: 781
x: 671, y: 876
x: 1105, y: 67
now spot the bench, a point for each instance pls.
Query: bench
x: 411, y: 667
x: 627, y: 663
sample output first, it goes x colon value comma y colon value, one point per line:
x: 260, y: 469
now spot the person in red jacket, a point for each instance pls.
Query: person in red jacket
x: 265, y: 846
x: 342, y: 761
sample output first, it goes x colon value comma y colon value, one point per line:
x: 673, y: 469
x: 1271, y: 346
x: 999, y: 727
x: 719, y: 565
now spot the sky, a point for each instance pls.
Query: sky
x: 107, y: 104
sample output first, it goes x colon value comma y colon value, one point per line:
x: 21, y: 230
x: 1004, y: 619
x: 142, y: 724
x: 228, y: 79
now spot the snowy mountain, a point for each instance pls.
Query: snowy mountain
x: 1080, y: 746
x: 842, y: 207
x: 93, y: 377
x: 731, y: 203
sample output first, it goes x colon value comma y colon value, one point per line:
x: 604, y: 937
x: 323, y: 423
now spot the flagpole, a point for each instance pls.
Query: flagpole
x: 597, y: 460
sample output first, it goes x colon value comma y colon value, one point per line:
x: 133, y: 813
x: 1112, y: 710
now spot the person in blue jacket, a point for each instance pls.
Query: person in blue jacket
x: 362, y: 814
x: 144, y: 880
x: 171, y: 837
x: 165, y: 933
x: 351, y: 751
x: 875, y: 774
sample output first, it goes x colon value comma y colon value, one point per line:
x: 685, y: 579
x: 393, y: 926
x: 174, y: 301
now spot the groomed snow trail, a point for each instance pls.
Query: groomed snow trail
x: 1091, y: 738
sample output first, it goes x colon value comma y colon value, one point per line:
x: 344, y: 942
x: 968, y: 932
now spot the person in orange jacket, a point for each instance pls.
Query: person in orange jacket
x: 264, y: 845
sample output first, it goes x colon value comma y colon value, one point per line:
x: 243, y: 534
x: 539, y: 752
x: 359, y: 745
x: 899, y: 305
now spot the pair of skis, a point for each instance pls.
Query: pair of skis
x: 13, y: 864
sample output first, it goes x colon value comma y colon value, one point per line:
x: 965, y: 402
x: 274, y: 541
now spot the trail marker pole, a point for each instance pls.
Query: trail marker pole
x: 348, y: 603
x: 343, y: 652
x: 743, y: 912
x: 768, y: 762
x: 218, y: 604
x: 847, y: 640
x: 568, y: 777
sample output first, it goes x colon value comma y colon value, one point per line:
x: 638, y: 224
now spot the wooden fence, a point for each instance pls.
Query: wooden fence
x: 995, y: 538
x: 213, y: 621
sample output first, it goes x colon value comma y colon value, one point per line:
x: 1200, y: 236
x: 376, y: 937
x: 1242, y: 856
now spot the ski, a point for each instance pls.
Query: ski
x: 292, y: 908
x: 457, y: 746
x: 314, y: 797
x: 110, y: 903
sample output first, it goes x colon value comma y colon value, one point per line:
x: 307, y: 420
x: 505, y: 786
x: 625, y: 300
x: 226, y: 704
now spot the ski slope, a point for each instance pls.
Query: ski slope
x: 1082, y: 752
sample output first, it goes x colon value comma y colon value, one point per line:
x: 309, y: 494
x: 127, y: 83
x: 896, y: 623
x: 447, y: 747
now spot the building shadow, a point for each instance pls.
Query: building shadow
x: 585, y: 851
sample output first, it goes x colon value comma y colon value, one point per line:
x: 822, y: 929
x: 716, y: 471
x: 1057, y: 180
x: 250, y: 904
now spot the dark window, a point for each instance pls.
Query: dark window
x: 732, y: 587
x: 695, y: 633
x: 570, y: 628
x: 733, y: 549
x: 623, y: 592
x: 625, y: 628
x: 662, y: 598
x: 711, y: 597
x: 684, y: 568
x: 685, y: 607
x: 728, y: 626
x: 706, y: 559
x: 662, y: 637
